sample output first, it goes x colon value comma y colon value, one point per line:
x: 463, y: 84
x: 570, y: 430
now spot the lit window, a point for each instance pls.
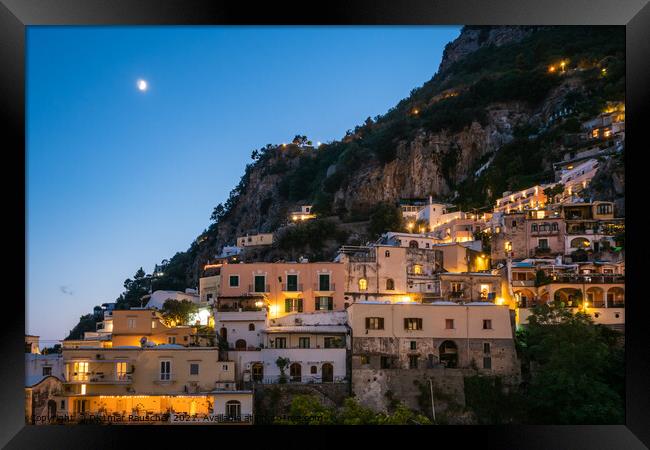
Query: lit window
x: 374, y: 323
x: 171, y: 339
x: 83, y: 389
x: 80, y: 371
x: 412, y: 323
x: 363, y: 284
x: 120, y: 370
x: 130, y: 322
x: 417, y: 269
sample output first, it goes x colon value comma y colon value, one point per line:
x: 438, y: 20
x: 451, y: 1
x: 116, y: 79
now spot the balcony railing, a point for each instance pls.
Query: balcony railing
x: 286, y: 287
x: 254, y: 289
x: 324, y: 287
x: 523, y: 283
x: 586, y: 279
x: 101, y: 379
x: 296, y: 380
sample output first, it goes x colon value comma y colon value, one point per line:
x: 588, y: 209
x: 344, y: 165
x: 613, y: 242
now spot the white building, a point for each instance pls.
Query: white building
x: 38, y: 367
x: 158, y: 298
x: 315, y: 345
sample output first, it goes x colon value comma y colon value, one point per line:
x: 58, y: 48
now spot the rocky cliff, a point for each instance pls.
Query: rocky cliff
x: 482, y: 125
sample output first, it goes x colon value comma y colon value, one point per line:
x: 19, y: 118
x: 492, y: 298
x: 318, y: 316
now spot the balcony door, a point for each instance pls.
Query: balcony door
x: 260, y: 281
x: 324, y: 282
x: 292, y: 283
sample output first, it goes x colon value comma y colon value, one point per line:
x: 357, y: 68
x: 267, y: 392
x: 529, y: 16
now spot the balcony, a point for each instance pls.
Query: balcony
x: 523, y: 283
x: 322, y: 287
x: 170, y: 380
x: 599, y: 278
x: 100, y: 379
x: 455, y: 295
x: 244, y: 315
x: 253, y: 289
x: 292, y: 287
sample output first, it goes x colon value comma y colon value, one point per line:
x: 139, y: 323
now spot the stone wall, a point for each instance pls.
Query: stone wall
x: 275, y: 399
x: 379, y: 389
x: 367, y: 354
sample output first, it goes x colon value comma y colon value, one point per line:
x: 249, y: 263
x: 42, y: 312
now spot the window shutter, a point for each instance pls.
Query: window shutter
x: 287, y: 305
x: 406, y: 324
x: 381, y: 323
x: 317, y: 304
x: 367, y: 323
x: 330, y: 303
x: 299, y: 304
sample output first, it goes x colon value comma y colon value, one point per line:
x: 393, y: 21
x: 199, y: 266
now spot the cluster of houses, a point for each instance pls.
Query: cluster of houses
x: 431, y: 298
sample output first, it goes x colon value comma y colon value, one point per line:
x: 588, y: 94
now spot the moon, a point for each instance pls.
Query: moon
x: 142, y: 85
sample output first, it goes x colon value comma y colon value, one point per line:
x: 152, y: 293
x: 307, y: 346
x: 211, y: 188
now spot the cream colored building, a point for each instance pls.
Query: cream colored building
x: 167, y: 383
x: 130, y: 327
x: 304, y: 213
x: 416, y: 336
x: 255, y: 240
x: 526, y: 199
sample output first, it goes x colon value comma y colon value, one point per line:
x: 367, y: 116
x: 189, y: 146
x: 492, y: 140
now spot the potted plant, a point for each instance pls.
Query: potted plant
x: 282, y: 364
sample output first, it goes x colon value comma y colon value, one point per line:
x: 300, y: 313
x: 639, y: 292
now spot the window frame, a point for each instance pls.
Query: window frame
x: 409, y: 321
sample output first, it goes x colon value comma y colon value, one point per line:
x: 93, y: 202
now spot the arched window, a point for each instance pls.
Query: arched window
x: 413, y: 244
x: 387, y: 254
x: 363, y: 284
x: 579, y: 242
x: 417, y: 269
x: 251, y: 327
x: 240, y: 344
x: 555, y: 226
x: 233, y: 409
x: 533, y: 227
x: 390, y: 284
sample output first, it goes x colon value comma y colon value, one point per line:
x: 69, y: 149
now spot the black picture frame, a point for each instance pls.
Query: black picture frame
x: 16, y: 15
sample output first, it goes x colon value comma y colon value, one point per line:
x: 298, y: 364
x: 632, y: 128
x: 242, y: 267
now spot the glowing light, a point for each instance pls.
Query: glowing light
x: 500, y: 301
x: 259, y: 303
x: 142, y: 85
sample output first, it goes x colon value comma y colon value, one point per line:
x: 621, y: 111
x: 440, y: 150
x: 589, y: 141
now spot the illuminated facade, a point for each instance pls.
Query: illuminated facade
x: 163, y: 384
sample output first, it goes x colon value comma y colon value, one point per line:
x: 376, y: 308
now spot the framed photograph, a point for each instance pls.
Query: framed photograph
x: 403, y: 220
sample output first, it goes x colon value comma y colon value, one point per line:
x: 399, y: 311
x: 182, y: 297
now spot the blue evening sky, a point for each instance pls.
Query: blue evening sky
x: 118, y: 178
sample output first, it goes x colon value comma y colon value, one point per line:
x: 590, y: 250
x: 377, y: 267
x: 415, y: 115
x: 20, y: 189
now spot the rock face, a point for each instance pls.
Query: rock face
x: 417, y: 172
x: 425, y: 163
x: 474, y: 38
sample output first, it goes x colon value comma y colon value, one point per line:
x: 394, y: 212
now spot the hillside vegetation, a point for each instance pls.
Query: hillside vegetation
x: 489, y: 107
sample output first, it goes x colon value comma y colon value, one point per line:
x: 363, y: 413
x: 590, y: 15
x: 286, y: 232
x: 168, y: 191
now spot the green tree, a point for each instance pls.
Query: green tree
x: 307, y: 410
x: 355, y: 414
x: 570, y: 371
x: 404, y: 416
x: 384, y: 217
x: 177, y: 312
